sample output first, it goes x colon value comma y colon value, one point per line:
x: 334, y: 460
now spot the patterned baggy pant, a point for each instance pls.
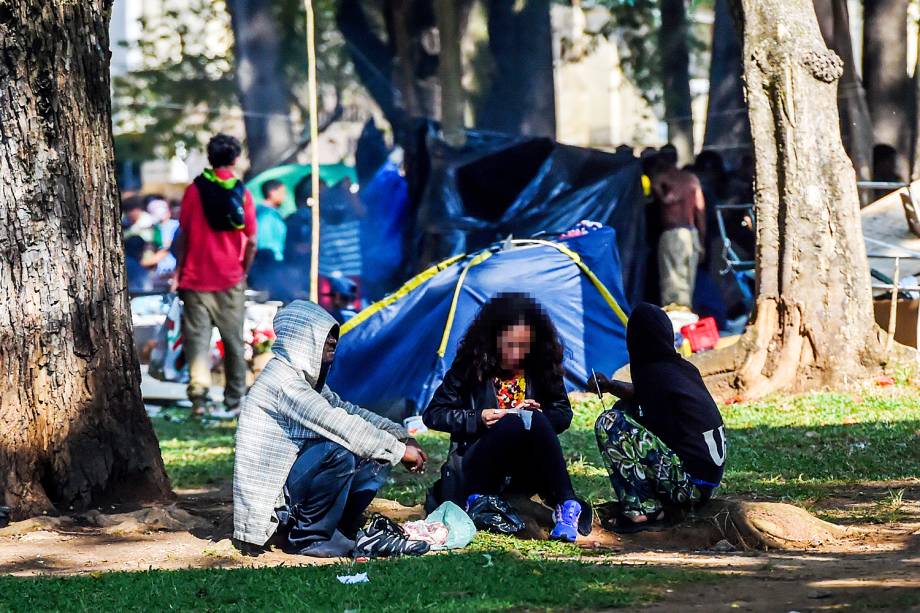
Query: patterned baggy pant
x: 644, y: 473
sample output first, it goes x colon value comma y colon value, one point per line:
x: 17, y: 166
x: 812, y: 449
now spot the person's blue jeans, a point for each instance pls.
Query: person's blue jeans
x: 325, y: 495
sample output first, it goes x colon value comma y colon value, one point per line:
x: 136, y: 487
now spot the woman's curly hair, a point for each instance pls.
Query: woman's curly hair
x: 478, y: 356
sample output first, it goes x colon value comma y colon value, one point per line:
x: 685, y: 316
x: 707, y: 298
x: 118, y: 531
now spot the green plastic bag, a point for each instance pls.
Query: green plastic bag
x: 460, y: 527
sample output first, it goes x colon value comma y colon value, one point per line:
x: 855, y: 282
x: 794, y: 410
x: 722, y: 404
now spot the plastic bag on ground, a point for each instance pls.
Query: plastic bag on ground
x: 167, y: 360
x: 460, y: 527
x: 495, y: 514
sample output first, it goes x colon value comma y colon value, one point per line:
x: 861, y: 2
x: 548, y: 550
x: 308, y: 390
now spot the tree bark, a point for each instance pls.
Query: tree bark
x: 855, y: 122
x: 885, y: 73
x: 450, y: 73
x: 728, y: 130
x: 813, y: 323
x: 263, y: 92
x: 915, y: 144
x: 372, y: 58
x: 522, y: 97
x: 74, y: 429
x: 400, y: 70
x: 675, y: 70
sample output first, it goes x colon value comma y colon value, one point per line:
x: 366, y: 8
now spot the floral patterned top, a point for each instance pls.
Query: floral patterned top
x: 510, y: 392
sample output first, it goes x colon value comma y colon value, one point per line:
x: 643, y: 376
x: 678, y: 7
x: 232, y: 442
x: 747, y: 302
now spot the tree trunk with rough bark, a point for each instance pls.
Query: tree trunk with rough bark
x: 915, y: 143
x: 450, y: 73
x: 728, y: 130
x: 398, y: 68
x: 855, y: 122
x: 264, y: 94
x: 885, y: 74
x: 522, y: 97
x: 675, y: 71
x: 813, y: 323
x: 74, y: 432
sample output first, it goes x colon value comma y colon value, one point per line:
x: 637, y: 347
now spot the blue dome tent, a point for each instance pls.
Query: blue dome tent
x: 392, y: 356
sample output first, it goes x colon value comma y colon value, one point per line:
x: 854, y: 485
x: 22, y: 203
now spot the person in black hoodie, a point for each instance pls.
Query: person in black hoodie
x: 664, y: 441
x: 504, y: 403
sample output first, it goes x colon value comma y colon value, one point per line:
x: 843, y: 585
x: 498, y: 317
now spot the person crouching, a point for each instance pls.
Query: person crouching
x: 308, y: 463
x: 664, y: 441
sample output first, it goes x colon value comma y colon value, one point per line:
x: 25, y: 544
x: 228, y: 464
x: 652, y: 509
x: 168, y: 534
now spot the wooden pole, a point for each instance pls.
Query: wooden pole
x: 314, y: 149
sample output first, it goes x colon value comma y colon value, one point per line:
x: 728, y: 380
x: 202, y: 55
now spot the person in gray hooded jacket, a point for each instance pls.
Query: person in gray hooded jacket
x: 307, y: 462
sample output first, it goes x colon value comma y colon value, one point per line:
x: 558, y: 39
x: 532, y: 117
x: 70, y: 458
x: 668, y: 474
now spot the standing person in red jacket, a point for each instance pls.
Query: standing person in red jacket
x: 216, y: 248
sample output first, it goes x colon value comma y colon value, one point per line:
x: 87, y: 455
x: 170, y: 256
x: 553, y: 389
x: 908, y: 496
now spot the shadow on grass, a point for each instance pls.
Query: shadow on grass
x: 451, y: 582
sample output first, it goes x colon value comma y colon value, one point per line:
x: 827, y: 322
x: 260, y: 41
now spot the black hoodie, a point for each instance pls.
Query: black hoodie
x: 674, y: 403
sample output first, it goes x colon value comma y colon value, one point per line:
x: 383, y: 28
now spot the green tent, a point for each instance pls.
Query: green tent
x: 291, y: 174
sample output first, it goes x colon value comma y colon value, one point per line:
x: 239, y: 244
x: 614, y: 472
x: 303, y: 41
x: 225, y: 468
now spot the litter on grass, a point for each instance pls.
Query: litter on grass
x: 352, y: 579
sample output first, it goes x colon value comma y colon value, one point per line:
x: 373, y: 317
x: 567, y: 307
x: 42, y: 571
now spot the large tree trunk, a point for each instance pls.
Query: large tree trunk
x: 813, y: 323
x: 855, y: 122
x: 263, y: 92
x: 451, y: 73
x: 728, y: 130
x: 413, y: 32
x: 522, y: 97
x: 915, y: 144
x: 885, y: 73
x: 675, y: 71
x: 373, y: 60
x: 400, y: 70
x: 74, y: 431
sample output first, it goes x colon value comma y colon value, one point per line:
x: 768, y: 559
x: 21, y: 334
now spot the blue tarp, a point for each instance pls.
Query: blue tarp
x: 390, y: 362
x: 386, y: 201
x: 498, y: 185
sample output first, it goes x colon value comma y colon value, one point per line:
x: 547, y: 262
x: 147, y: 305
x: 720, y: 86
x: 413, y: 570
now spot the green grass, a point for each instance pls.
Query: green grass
x: 196, y: 453
x: 453, y: 582
x: 790, y: 448
x: 799, y: 449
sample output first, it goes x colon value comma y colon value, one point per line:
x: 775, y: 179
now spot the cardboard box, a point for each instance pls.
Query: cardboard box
x: 907, y: 322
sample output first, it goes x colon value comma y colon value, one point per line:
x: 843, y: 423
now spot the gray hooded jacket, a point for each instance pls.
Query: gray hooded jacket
x: 283, y: 410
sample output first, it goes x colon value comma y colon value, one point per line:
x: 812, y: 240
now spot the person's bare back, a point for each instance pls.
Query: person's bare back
x: 681, y: 198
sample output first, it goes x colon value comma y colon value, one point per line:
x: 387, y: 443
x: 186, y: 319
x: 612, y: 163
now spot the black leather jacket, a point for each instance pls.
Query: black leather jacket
x: 456, y: 408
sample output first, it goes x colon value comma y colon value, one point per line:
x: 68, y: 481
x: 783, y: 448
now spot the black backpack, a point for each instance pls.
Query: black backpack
x: 222, y: 205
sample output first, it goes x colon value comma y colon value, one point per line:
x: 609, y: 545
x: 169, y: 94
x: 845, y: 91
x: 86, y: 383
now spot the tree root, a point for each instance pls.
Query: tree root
x: 777, y: 353
x: 150, y: 519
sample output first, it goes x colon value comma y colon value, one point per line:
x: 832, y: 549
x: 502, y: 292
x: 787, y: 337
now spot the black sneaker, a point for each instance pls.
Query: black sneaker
x: 383, y: 538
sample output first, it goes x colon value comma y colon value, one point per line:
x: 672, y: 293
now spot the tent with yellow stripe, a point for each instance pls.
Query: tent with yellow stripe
x: 394, y: 354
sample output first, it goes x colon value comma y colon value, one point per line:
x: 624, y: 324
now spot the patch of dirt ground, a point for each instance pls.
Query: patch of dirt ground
x: 864, y: 566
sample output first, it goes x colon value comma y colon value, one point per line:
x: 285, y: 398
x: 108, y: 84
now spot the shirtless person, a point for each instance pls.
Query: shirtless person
x: 683, y: 221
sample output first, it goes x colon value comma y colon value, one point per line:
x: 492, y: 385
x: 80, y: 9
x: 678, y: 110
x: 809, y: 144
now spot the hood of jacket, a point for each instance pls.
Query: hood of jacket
x: 649, y: 335
x: 301, y: 329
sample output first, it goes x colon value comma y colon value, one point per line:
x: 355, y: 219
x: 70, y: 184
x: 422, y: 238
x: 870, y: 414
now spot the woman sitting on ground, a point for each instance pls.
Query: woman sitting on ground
x: 664, y: 441
x: 509, y: 360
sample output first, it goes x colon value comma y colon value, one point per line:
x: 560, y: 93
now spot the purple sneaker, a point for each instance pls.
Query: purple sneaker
x: 566, y: 516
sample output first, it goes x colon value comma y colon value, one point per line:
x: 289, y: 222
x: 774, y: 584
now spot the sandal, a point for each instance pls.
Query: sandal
x: 624, y: 525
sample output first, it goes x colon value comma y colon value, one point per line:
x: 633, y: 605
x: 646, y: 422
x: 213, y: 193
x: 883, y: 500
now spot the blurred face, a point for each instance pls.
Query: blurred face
x: 277, y: 195
x: 514, y: 346
x: 329, y: 349
x: 133, y: 215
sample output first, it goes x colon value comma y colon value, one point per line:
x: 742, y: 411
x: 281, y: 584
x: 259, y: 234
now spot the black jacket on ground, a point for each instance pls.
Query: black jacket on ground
x: 456, y: 408
x: 674, y: 402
